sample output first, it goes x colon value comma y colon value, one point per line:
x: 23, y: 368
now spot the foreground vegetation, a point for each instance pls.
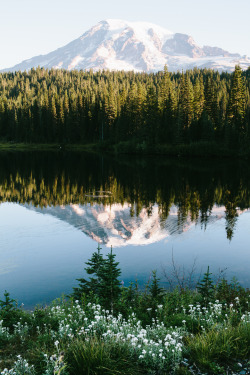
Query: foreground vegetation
x: 113, y: 329
x: 171, y: 113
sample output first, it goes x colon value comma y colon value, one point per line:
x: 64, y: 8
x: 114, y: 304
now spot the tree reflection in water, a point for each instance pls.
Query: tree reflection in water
x: 195, y: 187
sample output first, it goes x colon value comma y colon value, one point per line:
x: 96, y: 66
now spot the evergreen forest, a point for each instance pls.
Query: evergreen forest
x: 119, y: 108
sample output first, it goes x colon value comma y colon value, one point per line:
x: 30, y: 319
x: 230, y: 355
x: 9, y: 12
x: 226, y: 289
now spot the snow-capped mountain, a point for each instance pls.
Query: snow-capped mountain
x: 139, y: 46
x: 114, y: 225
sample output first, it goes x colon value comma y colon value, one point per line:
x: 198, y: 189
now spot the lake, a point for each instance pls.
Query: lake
x: 176, y: 216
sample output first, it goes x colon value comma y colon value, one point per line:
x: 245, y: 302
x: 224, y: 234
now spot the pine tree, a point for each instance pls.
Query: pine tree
x: 8, y: 304
x: 164, y: 90
x: 110, y: 107
x: 110, y: 285
x: 205, y: 287
x: 211, y: 104
x: 150, y: 128
x: 199, y: 97
x: 237, y: 101
x: 55, y: 105
x: 2, y: 117
x: 93, y: 285
x: 53, y: 119
x: 185, y: 109
x: 156, y: 292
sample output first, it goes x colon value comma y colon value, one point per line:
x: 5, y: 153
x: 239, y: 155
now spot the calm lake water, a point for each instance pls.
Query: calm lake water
x: 56, y: 207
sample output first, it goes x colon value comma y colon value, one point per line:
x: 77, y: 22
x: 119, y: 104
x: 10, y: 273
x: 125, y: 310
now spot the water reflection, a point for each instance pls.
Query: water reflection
x: 133, y: 201
x: 114, y: 225
x: 61, y: 204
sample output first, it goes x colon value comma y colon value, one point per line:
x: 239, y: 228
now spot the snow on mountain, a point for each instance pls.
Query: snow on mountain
x: 140, y: 46
x: 114, y: 225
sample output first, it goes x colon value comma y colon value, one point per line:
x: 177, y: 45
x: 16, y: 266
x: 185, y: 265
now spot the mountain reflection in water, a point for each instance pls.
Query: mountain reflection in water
x: 114, y: 225
x: 139, y: 199
x: 61, y: 203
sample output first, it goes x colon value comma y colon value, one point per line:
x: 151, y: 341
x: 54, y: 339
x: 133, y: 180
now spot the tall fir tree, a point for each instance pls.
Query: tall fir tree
x: 237, y: 101
x: 110, y: 284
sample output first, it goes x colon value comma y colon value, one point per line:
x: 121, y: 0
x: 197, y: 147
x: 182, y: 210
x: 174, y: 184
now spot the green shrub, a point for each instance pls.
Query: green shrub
x: 182, y: 320
x: 228, y: 292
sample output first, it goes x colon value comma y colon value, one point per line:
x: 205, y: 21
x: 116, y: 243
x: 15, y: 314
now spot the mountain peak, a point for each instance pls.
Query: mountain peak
x: 116, y: 24
x: 117, y: 44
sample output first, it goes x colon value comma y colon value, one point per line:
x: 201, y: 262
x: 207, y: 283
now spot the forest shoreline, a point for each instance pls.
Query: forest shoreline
x: 200, y: 149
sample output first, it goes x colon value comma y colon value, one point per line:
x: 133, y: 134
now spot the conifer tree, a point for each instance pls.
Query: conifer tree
x: 110, y: 285
x: 156, y: 292
x: 150, y: 128
x: 56, y: 105
x: 110, y: 107
x: 185, y: 110
x: 164, y: 90
x: 94, y: 268
x: 199, y: 97
x: 237, y: 101
x: 211, y: 104
x: 205, y: 287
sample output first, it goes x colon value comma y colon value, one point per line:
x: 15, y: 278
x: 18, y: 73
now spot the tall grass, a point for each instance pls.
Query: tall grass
x: 95, y: 357
x: 217, y: 348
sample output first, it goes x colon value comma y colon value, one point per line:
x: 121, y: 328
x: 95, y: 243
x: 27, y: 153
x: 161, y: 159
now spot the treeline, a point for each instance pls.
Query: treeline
x: 58, y: 106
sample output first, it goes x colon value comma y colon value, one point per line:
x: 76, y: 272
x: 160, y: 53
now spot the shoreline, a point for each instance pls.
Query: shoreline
x: 192, y: 150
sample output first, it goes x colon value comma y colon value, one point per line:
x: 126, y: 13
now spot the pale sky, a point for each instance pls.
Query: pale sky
x: 31, y: 27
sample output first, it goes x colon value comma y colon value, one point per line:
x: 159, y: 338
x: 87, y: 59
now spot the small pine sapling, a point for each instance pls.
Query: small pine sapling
x: 8, y: 303
x: 205, y: 287
x: 156, y: 292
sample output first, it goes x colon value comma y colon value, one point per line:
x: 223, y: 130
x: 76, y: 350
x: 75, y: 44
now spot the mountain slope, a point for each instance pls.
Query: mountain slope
x: 138, y: 46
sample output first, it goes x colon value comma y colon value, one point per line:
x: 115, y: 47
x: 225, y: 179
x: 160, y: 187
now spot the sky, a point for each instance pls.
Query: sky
x: 30, y: 27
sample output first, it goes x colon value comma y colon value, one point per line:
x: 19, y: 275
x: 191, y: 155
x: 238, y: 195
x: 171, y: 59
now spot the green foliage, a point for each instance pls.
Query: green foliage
x: 68, y: 337
x: 9, y: 312
x: 205, y: 287
x: 228, y: 292
x: 95, y: 357
x: 8, y: 303
x: 110, y: 285
x: 53, y: 179
x: 93, y: 285
x: 58, y: 106
x: 156, y: 292
x: 215, y: 350
x: 237, y: 100
x: 104, y: 284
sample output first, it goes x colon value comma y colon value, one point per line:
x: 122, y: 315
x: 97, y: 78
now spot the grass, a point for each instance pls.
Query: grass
x: 153, y: 331
x: 216, y: 349
x: 70, y: 337
x: 95, y: 357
